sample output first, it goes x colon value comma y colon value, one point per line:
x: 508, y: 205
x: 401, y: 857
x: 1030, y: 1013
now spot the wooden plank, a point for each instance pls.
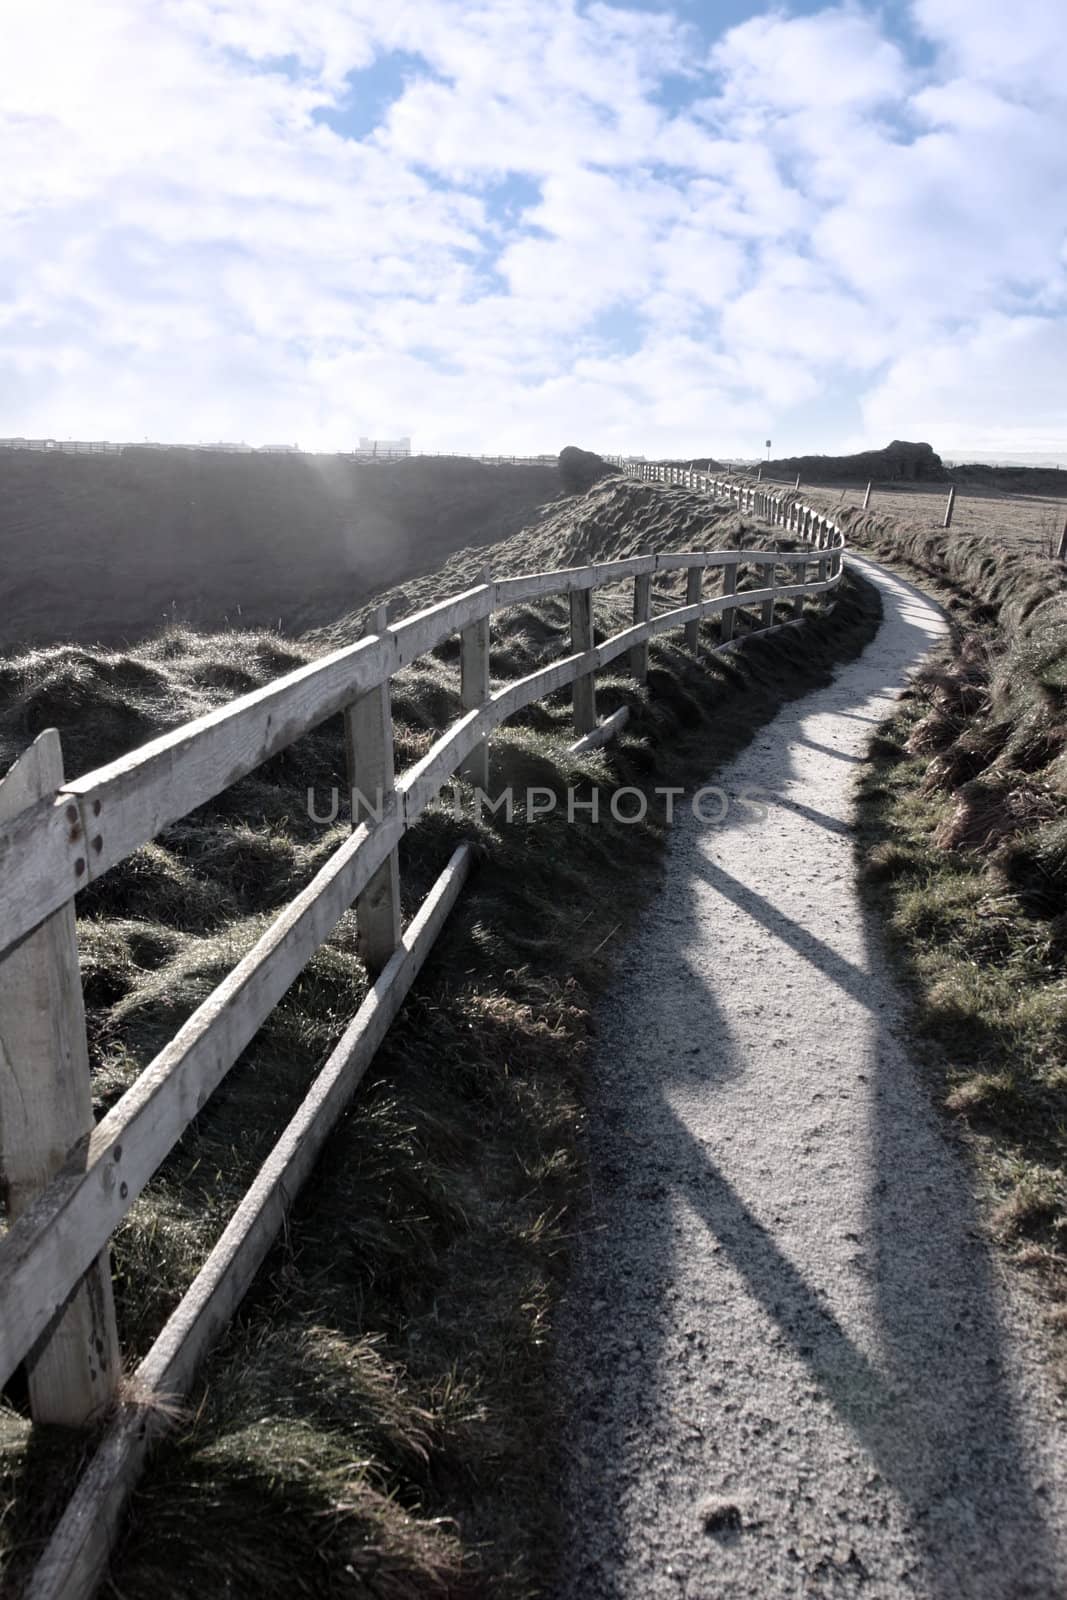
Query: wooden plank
x: 42, y: 864
x: 947, y: 523
x: 867, y: 497
x: 426, y: 629
x: 601, y: 733
x: 424, y: 779
x: 584, y: 692
x: 693, y: 589
x: 767, y: 613
x: 729, y: 587
x: 371, y: 776
x: 46, y: 1250
x: 538, y: 585
x: 642, y: 612
x: 474, y: 692
x: 76, y: 1555
x: 46, y: 1110
x: 129, y: 801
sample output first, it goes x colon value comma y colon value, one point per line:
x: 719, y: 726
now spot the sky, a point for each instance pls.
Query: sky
x: 501, y: 226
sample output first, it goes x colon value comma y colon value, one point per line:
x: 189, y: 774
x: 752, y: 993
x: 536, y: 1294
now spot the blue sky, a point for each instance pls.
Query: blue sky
x: 506, y: 226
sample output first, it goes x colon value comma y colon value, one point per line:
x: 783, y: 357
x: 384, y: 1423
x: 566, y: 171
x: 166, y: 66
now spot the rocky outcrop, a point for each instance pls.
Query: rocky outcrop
x: 580, y: 469
x: 901, y: 461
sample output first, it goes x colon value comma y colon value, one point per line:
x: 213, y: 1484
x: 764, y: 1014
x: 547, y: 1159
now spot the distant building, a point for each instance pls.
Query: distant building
x: 66, y: 447
x: 388, y: 448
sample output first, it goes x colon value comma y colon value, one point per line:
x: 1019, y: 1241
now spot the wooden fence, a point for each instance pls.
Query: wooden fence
x: 69, y: 1183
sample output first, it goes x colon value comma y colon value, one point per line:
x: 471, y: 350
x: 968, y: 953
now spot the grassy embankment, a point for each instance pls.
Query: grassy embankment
x: 108, y: 549
x: 378, y: 1420
x: 964, y: 846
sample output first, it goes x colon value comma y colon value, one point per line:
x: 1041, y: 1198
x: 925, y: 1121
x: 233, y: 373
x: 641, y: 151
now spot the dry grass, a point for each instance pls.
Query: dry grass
x: 1028, y: 522
x: 964, y: 845
x: 377, y: 1421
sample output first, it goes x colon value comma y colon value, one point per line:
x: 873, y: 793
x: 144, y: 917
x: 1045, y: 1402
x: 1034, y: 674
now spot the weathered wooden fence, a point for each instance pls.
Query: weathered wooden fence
x: 69, y: 1183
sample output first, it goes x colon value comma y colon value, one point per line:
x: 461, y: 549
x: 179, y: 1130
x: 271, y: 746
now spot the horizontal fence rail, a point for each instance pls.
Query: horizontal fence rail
x: 56, y: 836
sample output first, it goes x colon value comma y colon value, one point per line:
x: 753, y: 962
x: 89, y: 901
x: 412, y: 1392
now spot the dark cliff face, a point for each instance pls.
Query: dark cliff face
x: 108, y: 548
x: 901, y: 461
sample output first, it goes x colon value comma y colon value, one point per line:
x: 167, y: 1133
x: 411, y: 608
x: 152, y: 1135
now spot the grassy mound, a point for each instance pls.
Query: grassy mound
x: 377, y: 1421
x: 966, y: 850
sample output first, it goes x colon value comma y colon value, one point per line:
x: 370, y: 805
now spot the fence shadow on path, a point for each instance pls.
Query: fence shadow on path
x: 835, y: 1367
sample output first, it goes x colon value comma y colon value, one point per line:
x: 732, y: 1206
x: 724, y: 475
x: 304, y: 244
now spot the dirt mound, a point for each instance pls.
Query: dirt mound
x: 899, y: 461
x: 107, y: 549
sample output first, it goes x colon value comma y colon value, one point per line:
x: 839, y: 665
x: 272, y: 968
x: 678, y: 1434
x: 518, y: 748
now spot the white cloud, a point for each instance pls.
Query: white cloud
x: 803, y: 212
x: 997, y: 388
x: 1016, y: 47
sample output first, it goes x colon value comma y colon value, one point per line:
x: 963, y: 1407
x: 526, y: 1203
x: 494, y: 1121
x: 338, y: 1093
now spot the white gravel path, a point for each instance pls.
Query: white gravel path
x: 790, y: 1364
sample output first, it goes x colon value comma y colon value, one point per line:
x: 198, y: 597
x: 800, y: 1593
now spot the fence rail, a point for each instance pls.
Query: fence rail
x: 76, y: 1181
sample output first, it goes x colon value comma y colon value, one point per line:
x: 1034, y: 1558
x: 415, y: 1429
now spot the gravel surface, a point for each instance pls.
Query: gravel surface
x: 789, y: 1363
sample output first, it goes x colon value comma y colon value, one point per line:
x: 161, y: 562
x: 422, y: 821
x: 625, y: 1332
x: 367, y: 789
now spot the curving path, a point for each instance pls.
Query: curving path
x: 789, y: 1363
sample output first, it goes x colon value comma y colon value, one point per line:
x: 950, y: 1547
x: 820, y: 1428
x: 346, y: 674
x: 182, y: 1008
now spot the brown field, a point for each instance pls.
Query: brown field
x: 1029, y: 521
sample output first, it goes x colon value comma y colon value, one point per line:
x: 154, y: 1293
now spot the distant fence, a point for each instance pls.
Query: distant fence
x: 69, y: 1183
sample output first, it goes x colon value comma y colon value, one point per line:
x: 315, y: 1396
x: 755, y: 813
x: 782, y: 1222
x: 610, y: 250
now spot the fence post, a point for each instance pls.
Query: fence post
x: 800, y: 575
x: 46, y: 1109
x: 642, y: 612
x: 474, y: 690
x: 694, y: 592
x: 797, y: 484
x: 729, y: 586
x: 1061, y: 548
x: 948, y: 509
x: 583, y: 695
x: 371, y: 775
x: 867, y: 497
x: 768, y: 604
